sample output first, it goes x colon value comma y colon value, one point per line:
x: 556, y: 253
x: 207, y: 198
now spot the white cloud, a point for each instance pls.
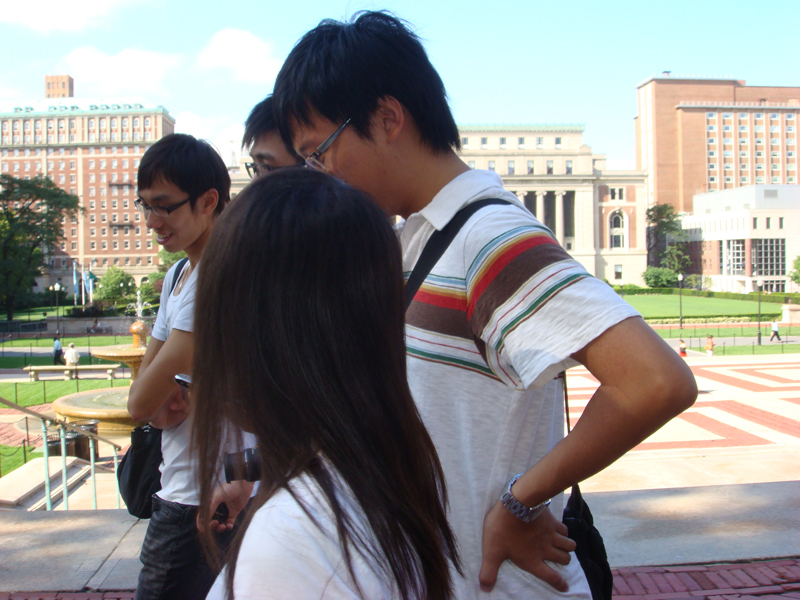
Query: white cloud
x: 129, y: 72
x: 245, y: 55
x: 222, y: 131
x: 56, y: 15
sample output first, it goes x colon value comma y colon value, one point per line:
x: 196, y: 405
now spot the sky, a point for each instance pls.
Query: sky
x: 527, y: 61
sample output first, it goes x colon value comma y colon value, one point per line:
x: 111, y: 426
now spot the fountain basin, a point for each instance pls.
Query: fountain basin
x: 107, y: 405
x: 125, y: 353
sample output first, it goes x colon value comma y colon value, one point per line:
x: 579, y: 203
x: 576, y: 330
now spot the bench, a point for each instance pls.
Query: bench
x: 71, y: 372
x: 98, y: 330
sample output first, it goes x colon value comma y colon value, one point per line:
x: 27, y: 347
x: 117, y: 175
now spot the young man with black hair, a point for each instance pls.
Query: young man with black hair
x: 183, y: 187
x: 501, y: 314
x: 262, y: 137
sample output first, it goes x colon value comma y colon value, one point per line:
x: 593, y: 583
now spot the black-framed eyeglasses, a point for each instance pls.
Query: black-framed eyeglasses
x: 159, y: 211
x: 313, y: 159
x: 256, y: 169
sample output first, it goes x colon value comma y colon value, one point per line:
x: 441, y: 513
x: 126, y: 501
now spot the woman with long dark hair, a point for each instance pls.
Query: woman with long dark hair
x: 299, y: 329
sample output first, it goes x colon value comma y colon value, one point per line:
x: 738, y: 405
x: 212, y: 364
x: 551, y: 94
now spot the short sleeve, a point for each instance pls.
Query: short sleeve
x: 529, y: 301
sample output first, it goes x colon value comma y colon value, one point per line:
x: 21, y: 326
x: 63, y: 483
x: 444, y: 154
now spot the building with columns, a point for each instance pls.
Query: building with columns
x: 597, y: 215
x: 741, y: 236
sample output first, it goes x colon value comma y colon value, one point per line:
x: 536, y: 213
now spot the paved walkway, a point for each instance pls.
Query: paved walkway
x: 716, y: 489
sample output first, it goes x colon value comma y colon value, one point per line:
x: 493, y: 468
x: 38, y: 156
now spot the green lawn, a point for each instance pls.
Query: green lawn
x: 46, y: 341
x: 749, y: 349
x: 18, y: 362
x: 43, y: 392
x: 12, y: 457
x: 661, y: 306
x: 743, y: 330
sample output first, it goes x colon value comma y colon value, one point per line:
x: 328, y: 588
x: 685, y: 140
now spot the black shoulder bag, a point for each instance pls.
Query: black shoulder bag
x: 591, y: 551
x: 138, y: 473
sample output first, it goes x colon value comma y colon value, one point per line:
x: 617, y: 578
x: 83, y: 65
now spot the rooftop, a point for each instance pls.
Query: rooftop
x: 514, y: 127
x: 704, y: 104
x: 749, y: 197
x: 77, y: 106
x: 669, y: 76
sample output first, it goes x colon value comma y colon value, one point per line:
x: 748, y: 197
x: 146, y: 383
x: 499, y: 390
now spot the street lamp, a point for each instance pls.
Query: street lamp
x: 760, y: 283
x: 57, y: 288
x: 680, y: 299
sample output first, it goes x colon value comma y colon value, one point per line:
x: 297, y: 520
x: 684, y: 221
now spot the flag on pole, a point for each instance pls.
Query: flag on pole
x: 83, y: 287
x: 74, y: 284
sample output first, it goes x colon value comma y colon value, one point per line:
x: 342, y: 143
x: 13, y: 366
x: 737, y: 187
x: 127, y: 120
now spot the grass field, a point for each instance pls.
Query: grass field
x: 660, y: 306
x: 42, y: 392
x: 46, y: 341
x: 750, y: 349
x: 12, y: 457
x: 743, y: 330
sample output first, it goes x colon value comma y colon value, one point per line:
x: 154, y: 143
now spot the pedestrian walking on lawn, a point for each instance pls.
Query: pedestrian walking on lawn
x: 57, y: 352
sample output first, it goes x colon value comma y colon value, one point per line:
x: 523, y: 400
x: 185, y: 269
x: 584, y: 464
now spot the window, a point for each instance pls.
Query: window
x: 549, y: 167
x: 712, y: 153
x: 502, y: 142
x: 104, y: 245
x: 744, y: 153
x: 484, y: 142
x: 744, y: 179
x: 470, y: 163
x: 790, y: 129
x: 711, y: 128
x: 616, y: 228
x: 774, y: 115
x: 491, y: 165
x: 617, y: 272
x: 775, y: 141
x: 464, y: 141
x: 93, y: 245
x: 790, y: 117
x: 558, y: 142
x: 727, y: 128
x: 712, y: 140
x: 728, y: 166
x: 729, y: 180
x: 540, y: 142
x: 511, y: 167
x: 780, y: 222
x: 115, y: 245
x: 727, y: 140
x: 712, y: 166
x: 743, y: 128
x: 711, y: 115
x: 769, y: 222
x: 103, y: 231
x: 91, y: 218
x: 569, y: 167
x: 530, y: 167
x: 712, y: 179
x: 744, y: 167
x: 769, y: 257
x: 759, y: 115
x: 759, y: 180
x: 521, y: 142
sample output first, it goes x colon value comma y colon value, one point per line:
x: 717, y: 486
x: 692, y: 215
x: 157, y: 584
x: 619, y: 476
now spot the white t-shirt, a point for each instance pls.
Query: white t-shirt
x: 492, y: 325
x: 284, y: 554
x: 177, y: 469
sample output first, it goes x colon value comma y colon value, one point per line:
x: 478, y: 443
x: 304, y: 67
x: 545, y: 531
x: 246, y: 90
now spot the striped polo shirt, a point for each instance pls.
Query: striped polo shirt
x: 495, y: 321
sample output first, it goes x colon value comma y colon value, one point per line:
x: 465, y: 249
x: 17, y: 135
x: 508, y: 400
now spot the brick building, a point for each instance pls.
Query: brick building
x: 597, y: 215
x: 90, y: 148
x: 704, y: 135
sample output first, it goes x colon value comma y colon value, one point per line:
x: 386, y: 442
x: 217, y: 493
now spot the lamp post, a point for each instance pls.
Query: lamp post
x: 760, y: 283
x: 680, y: 300
x: 57, y: 288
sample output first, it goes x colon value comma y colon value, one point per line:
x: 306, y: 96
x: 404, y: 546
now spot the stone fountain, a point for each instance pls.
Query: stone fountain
x: 109, y: 405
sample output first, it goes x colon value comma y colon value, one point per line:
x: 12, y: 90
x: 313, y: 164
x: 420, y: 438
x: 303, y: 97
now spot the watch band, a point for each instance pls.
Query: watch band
x: 526, y: 514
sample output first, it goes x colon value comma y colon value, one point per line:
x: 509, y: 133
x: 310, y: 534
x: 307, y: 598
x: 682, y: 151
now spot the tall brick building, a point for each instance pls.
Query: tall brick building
x: 704, y: 135
x: 90, y: 148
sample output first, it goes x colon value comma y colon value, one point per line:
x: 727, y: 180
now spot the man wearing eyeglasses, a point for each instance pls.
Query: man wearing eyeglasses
x: 504, y: 310
x: 262, y: 137
x: 183, y: 187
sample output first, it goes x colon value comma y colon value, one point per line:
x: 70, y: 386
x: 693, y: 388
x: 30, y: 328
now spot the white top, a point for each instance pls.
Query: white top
x: 177, y: 469
x: 286, y: 555
x: 494, y: 323
x: 72, y: 356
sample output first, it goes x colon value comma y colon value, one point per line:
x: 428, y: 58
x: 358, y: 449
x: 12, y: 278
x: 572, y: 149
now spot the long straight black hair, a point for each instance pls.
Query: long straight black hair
x: 299, y: 335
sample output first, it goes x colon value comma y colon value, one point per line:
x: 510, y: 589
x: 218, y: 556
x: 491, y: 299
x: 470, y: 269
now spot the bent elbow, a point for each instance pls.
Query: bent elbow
x: 135, y: 410
x: 679, y: 391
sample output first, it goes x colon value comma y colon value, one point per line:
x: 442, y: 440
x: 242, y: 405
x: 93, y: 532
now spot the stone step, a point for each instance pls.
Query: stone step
x: 28, y: 480
x: 39, y: 501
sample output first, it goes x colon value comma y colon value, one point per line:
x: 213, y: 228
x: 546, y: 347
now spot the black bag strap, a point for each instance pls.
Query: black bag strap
x: 177, y: 275
x: 438, y: 243
x: 576, y: 491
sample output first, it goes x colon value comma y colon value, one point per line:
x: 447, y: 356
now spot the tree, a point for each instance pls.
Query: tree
x: 659, y: 277
x: 167, y: 259
x: 675, y: 259
x: 31, y: 214
x: 116, y: 284
x: 795, y: 274
x: 662, y: 222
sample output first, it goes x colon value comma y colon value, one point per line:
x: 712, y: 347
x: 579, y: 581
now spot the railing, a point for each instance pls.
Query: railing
x: 63, y: 426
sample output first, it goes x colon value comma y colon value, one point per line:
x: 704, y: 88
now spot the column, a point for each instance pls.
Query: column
x: 540, y: 206
x: 559, y: 220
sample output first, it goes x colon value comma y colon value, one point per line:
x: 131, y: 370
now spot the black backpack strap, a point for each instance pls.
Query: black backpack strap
x: 177, y: 275
x: 438, y: 243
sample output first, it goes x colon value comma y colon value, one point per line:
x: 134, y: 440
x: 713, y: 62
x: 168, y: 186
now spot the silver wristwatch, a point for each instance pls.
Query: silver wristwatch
x: 524, y: 513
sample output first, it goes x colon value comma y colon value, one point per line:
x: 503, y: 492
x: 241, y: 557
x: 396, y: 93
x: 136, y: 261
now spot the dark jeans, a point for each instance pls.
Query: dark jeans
x: 775, y: 335
x: 57, y: 357
x: 173, y: 564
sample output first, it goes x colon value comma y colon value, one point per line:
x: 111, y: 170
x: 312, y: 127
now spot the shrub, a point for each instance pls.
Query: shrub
x: 659, y: 277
